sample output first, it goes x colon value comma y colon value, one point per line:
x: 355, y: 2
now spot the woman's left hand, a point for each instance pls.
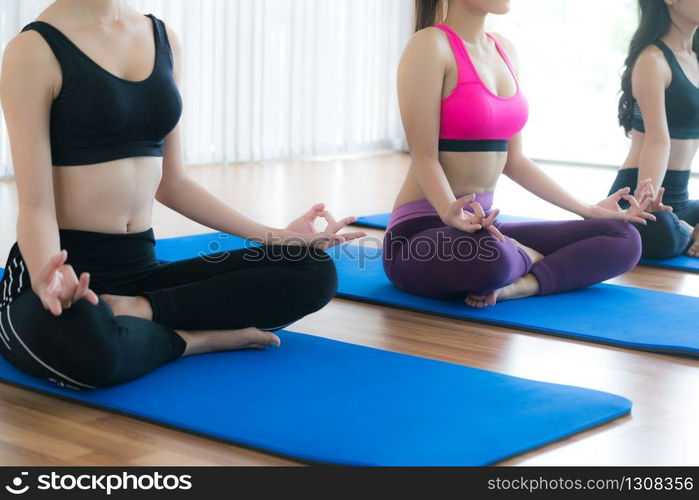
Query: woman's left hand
x: 610, y: 209
x: 302, y: 231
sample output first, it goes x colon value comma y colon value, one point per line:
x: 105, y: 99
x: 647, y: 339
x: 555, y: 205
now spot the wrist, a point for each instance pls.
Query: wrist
x: 585, y: 211
x: 444, y: 215
x: 276, y: 235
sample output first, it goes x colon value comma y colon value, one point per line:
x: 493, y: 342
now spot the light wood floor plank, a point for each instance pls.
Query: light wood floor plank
x: 662, y: 430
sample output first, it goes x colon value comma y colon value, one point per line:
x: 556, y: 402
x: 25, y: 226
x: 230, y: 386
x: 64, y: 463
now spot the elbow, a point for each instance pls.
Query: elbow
x: 34, y: 206
x: 32, y: 219
x: 513, y: 164
x: 161, y: 196
x: 167, y: 191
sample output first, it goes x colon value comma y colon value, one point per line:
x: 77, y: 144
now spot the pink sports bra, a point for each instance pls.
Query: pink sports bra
x: 473, y: 118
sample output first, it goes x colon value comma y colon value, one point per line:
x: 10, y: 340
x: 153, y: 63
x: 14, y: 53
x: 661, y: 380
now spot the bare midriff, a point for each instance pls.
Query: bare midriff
x: 682, y: 152
x: 470, y: 172
x: 114, y: 197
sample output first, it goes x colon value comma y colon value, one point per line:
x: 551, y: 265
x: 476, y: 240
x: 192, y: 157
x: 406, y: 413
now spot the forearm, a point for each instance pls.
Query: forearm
x: 190, y: 199
x: 528, y: 175
x: 653, y: 161
x: 37, y: 236
x: 434, y: 184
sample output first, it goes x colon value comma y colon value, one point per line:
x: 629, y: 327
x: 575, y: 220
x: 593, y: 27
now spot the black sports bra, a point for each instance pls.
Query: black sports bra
x: 99, y: 117
x: 681, y: 102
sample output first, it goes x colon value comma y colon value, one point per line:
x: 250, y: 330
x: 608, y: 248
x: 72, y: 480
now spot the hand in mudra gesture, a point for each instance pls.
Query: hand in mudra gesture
x: 471, y: 222
x: 609, y: 208
x: 302, y: 231
x: 58, y: 286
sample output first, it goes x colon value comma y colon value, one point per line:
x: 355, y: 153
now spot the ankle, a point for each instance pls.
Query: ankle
x: 143, y: 308
x: 138, y: 307
x: 533, y: 254
x: 526, y: 286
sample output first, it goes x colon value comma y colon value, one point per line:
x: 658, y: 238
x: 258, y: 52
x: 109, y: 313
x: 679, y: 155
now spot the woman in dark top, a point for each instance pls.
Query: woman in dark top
x: 660, y: 109
x: 90, y: 95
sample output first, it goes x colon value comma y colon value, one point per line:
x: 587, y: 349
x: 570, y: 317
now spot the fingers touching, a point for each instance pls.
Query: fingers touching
x: 478, y: 210
x: 83, y: 290
x: 315, y: 211
x: 496, y: 232
x: 60, y: 287
x: 620, y: 194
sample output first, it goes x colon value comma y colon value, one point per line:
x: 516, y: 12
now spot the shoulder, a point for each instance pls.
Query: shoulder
x: 651, y: 66
x: 28, y: 47
x: 172, y: 37
x: 430, y: 42
x: 652, y: 58
x: 29, y: 67
x: 27, y: 56
x: 506, y: 44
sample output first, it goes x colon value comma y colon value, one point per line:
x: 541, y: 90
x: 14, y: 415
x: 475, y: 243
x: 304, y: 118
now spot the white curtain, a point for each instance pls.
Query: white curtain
x: 268, y: 79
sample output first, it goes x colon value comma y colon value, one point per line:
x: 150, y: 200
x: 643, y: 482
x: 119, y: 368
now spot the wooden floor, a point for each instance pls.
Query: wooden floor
x: 38, y: 430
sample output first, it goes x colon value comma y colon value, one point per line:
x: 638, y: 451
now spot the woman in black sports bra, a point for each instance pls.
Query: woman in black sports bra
x: 90, y: 95
x: 660, y: 109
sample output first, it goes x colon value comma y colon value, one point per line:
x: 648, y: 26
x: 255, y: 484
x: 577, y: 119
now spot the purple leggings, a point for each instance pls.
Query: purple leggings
x: 424, y: 257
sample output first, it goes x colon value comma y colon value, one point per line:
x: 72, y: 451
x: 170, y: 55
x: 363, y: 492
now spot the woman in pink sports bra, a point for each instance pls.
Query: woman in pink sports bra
x: 463, y: 112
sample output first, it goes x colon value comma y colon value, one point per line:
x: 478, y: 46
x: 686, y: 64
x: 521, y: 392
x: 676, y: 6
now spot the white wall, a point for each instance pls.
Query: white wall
x: 275, y: 78
x: 571, y: 58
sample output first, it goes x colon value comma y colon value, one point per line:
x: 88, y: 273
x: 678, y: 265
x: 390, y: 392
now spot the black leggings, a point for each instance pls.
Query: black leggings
x: 667, y: 237
x: 87, y: 346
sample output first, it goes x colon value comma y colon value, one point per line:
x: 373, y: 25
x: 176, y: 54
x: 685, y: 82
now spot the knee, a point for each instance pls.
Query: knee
x: 665, y: 238
x: 81, y: 344
x: 317, y: 283
x: 324, y: 275
x: 627, y: 246
x: 629, y: 242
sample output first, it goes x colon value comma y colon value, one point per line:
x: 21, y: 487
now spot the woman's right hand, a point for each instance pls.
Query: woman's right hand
x: 471, y: 222
x: 647, y: 190
x: 58, y: 287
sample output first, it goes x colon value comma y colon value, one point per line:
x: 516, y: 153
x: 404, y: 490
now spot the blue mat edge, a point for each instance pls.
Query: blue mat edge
x: 267, y: 451
x: 366, y: 222
x: 679, y: 351
x: 251, y: 446
x: 308, y: 461
x: 672, y: 350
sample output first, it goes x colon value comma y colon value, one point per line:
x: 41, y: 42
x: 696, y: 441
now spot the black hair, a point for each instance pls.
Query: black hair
x: 655, y: 21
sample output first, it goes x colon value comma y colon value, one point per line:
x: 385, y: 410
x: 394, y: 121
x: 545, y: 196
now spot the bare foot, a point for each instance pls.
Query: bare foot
x: 200, y: 342
x: 526, y: 286
x: 694, y: 249
x: 137, y: 307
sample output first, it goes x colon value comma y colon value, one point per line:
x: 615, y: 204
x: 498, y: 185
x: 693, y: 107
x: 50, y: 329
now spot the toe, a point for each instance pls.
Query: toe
x: 259, y: 339
x: 268, y: 339
x: 274, y: 341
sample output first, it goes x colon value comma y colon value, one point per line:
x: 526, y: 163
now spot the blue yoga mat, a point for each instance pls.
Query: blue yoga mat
x: 682, y: 263
x: 324, y: 401
x: 380, y: 221
x: 622, y: 316
x: 606, y: 314
x: 188, y: 247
